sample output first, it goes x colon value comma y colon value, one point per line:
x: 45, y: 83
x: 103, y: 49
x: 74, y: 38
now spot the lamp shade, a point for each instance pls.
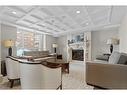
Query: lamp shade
x: 113, y: 41
x: 109, y: 41
x: 8, y: 43
x: 54, y: 45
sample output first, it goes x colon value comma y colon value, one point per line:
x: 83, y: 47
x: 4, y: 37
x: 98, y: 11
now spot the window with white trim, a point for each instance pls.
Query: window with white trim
x: 28, y: 41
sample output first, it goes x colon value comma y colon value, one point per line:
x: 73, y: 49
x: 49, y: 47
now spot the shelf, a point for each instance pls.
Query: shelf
x: 77, y: 43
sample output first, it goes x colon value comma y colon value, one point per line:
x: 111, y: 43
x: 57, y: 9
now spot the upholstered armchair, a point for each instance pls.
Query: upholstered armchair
x: 1, y: 78
x: 110, y: 75
x: 40, y: 75
x: 51, y: 76
x: 13, y: 69
x: 30, y: 75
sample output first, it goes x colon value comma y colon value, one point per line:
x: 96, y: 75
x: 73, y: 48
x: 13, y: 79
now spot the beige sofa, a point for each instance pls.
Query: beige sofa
x: 38, y: 55
x: 110, y: 75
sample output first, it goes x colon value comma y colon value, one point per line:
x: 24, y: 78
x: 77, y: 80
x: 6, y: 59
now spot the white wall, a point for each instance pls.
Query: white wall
x: 62, y: 46
x: 49, y: 41
x: 0, y: 48
x: 7, y: 32
x: 123, y: 35
x: 10, y: 32
x: 99, y: 39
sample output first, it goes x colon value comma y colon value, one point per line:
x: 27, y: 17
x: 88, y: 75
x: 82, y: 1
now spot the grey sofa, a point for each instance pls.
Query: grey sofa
x: 110, y: 75
x: 38, y: 55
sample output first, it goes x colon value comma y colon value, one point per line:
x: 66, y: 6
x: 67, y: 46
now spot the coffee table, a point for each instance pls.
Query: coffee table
x: 64, y: 64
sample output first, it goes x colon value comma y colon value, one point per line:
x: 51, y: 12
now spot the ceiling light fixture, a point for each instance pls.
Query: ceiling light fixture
x: 77, y: 12
x: 14, y: 12
x: 87, y: 23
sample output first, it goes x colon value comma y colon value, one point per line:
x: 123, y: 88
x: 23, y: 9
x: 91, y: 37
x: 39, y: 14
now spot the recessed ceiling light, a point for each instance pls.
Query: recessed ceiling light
x: 14, y: 12
x: 87, y: 23
x: 77, y: 12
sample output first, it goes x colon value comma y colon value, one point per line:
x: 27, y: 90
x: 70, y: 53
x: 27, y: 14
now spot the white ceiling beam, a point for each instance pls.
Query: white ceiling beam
x: 110, y: 14
x: 90, y: 19
x: 17, y: 9
x: 50, y: 14
x: 48, y: 28
x: 54, y: 28
x: 60, y: 21
x: 45, y: 29
x: 23, y: 26
x: 11, y: 15
x: 46, y: 11
x: 70, y: 17
x: 37, y: 17
x: 2, y: 9
x: 28, y: 14
x: 99, y: 27
x: 43, y: 21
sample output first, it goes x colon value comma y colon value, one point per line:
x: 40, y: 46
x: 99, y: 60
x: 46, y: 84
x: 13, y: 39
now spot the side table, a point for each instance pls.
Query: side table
x: 59, y: 56
x: 3, y: 68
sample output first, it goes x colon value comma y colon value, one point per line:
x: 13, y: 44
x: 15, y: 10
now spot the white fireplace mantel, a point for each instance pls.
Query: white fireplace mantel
x: 78, y: 45
x: 85, y: 45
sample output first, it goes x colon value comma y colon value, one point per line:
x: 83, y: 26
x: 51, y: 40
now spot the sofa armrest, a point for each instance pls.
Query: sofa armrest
x: 112, y: 76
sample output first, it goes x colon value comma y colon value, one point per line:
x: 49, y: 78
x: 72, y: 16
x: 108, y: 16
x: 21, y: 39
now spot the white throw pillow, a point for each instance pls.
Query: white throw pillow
x: 114, y: 58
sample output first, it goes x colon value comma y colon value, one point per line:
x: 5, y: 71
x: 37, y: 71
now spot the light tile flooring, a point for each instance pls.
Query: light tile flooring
x: 74, y: 80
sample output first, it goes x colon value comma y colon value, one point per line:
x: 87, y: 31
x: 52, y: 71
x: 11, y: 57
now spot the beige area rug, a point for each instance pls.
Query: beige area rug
x: 76, y: 77
x: 74, y: 80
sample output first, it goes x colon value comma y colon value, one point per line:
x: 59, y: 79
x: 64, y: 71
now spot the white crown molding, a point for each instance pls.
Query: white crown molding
x: 94, y: 28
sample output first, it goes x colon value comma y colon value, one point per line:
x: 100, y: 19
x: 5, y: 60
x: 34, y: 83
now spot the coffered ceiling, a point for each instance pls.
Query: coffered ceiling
x: 56, y: 20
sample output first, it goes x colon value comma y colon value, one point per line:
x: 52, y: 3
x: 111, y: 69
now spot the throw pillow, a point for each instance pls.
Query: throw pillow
x: 114, y: 58
x: 123, y: 59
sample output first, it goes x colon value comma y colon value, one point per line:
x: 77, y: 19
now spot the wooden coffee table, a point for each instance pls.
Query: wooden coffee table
x: 64, y: 64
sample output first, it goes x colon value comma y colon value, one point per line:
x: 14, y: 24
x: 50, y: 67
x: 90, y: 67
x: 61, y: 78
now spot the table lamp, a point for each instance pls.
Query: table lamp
x: 54, y: 46
x: 111, y: 42
x: 9, y: 44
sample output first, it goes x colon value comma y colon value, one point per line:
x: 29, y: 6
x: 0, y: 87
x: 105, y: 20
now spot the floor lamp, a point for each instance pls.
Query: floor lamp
x: 8, y: 44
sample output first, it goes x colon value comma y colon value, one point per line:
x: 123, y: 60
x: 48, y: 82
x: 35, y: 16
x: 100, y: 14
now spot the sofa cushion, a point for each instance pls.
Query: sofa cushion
x: 102, y: 57
x: 36, y: 54
x: 123, y: 59
x: 43, y: 53
x: 114, y: 58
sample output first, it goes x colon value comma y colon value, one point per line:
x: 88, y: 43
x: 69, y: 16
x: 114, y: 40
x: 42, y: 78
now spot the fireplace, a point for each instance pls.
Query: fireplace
x: 78, y: 54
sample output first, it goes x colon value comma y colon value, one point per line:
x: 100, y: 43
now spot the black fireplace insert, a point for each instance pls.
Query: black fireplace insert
x: 78, y: 54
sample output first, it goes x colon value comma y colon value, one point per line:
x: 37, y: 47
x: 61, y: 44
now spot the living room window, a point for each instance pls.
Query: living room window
x: 28, y: 41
